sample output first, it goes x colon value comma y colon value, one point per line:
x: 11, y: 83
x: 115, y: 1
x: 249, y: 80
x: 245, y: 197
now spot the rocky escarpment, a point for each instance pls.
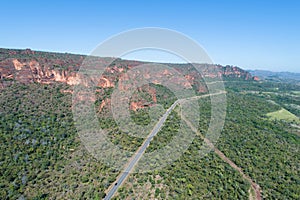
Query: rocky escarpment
x: 27, y: 66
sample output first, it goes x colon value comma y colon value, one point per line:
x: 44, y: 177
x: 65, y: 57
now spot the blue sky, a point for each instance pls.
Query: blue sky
x: 256, y: 34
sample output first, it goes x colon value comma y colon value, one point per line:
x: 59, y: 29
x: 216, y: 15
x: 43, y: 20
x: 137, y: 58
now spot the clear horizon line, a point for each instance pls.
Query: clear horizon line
x: 142, y: 60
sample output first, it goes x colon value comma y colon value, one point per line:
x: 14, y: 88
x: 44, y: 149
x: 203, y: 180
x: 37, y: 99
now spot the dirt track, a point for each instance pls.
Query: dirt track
x: 254, y: 186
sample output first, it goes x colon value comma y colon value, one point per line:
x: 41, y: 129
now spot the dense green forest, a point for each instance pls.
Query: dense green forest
x: 42, y: 157
x: 41, y: 154
x: 266, y: 151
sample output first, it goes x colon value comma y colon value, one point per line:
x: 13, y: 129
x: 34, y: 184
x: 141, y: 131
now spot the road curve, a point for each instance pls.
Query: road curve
x: 133, y: 161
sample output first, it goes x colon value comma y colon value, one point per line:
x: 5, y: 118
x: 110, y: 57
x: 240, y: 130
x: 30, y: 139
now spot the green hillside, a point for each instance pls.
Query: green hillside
x: 42, y: 156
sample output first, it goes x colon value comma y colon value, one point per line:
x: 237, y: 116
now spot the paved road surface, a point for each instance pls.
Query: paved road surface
x: 139, y: 153
x: 122, y: 177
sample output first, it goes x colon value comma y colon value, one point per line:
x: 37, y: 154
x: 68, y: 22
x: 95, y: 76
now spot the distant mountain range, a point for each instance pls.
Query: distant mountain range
x: 269, y: 75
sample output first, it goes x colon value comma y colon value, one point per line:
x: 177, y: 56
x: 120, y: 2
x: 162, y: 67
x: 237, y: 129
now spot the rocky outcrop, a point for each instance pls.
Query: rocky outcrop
x: 30, y: 66
x: 256, y: 78
x: 32, y: 70
x: 27, y: 66
x: 235, y: 72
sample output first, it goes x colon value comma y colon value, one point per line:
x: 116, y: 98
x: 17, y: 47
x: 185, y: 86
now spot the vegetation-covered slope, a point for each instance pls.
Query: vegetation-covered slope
x: 42, y: 156
x: 267, y: 152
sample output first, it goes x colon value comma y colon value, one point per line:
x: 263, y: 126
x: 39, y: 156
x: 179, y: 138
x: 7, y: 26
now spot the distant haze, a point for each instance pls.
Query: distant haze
x: 275, y: 75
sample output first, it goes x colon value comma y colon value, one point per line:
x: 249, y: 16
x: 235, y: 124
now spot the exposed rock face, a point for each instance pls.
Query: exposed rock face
x: 46, y: 68
x: 105, y: 83
x: 256, y: 78
x: 235, y: 72
x: 32, y: 70
x: 29, y: 66
x: 139, y: 105
x: 17, y: 64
